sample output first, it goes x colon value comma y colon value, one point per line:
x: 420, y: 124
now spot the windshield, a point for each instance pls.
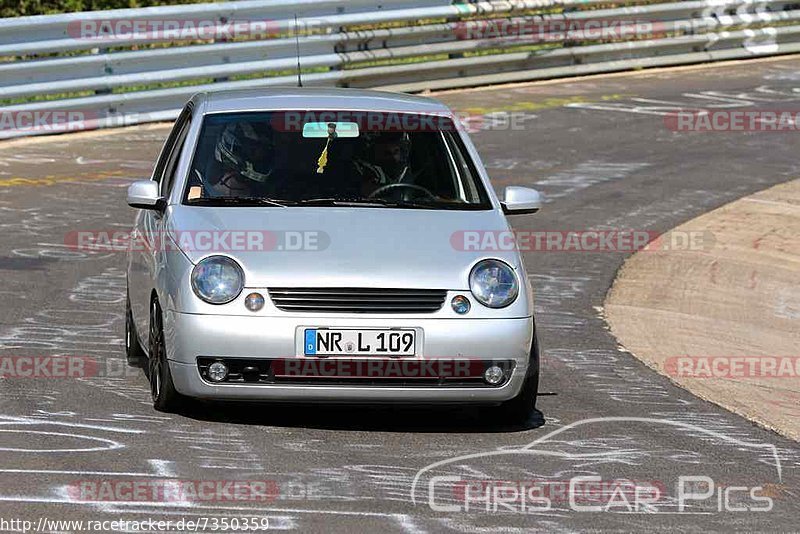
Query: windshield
x: 313, y: 158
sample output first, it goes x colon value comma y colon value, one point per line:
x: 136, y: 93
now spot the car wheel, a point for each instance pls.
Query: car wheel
x: 520, y: 408
x: 133, y: 349
x: 165, y: 397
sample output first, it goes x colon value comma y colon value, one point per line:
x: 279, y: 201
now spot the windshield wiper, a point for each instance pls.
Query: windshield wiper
x: 239, y: 201
x: 366, y: 202
x: 333, y: 202
x: 424, y: 204
x: 405, y: 204
x: 372, y: 203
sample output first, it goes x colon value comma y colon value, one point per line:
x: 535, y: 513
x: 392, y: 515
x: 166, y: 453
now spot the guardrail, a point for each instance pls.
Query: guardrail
x: 101, y: 69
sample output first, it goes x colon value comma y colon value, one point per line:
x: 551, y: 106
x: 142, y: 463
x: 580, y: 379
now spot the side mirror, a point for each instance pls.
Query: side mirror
x: 145, y: 195
x: 521, y: 201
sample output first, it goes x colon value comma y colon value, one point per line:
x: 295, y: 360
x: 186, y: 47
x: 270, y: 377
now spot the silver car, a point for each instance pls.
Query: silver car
x: 329, y: 245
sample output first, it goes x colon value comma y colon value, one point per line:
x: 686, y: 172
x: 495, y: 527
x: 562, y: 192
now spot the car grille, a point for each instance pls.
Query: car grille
x: 344, y: 300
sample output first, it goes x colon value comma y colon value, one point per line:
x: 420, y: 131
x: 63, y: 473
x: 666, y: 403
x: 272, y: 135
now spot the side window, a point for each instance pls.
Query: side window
x: 167, y: 160
x: 170, y: 170
x: 467, y: 175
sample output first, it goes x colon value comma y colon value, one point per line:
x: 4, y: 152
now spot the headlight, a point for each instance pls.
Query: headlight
x: 494, y: 283
x: 217, y: 279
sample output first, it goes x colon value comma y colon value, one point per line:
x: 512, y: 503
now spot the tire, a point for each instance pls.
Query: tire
x: 165, y: 397
x: 519, y: 409
x: 134, y: 352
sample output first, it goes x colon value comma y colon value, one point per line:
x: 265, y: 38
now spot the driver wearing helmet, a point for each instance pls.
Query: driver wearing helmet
x: 246, y: 158
x: 384, y: 160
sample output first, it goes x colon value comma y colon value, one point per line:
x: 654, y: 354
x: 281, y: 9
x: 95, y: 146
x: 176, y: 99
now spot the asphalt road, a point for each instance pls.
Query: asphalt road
x: 600, y: 151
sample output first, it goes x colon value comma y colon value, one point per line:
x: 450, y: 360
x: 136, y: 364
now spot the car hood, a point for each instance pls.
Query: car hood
x: 341, y: 247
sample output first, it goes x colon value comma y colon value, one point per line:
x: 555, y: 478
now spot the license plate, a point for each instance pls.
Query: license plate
x: 335, y: 342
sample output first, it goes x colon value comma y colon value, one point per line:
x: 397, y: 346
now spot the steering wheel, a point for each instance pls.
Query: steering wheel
x: 386, y: 188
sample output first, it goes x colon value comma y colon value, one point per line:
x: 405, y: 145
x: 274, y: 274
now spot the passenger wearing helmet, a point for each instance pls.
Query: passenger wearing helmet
x: 384, y: 160
x: 246, y: 159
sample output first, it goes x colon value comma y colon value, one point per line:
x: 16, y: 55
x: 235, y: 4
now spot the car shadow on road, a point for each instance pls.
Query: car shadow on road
x: 360, y: 417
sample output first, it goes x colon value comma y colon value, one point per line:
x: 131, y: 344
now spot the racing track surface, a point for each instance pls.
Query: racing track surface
x: 597, y: 148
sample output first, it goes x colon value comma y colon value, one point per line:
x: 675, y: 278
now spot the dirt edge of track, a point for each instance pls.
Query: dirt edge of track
x: 716, y: 315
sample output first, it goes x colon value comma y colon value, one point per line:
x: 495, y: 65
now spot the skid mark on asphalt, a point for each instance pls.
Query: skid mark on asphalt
x: 54, y: 180
x: 517, y: 164
x: 585, y: 175
x: 536, y: 105
x: 783, y: 73
x: 32, y: 221
x: 659, y: 212
x: 65, y: 331
x: 94, y: 326
x: 601, y: 448
x: 76, y: 434
x: 376, y: 481
x: 28, y: 434
x: 109, y: 287
x: 694, y: 101
x: 614, y: 375
x: 218, y: 450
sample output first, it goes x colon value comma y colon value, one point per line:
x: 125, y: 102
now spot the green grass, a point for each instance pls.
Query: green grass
x: 20, y: 8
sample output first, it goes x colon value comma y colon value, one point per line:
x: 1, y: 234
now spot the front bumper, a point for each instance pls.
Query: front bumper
x: 190, y: 337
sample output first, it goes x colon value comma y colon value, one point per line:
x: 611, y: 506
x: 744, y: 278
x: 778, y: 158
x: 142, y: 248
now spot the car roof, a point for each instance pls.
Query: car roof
x: 300, y: 98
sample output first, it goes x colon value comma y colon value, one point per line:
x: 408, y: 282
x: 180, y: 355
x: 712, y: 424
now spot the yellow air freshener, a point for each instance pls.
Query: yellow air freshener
x: 322, y: 162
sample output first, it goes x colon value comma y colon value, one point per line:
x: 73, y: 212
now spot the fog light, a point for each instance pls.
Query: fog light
x: 460, y: 304
x: 217, y: 371
x: 493, y: 375
x: 254, y: 302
